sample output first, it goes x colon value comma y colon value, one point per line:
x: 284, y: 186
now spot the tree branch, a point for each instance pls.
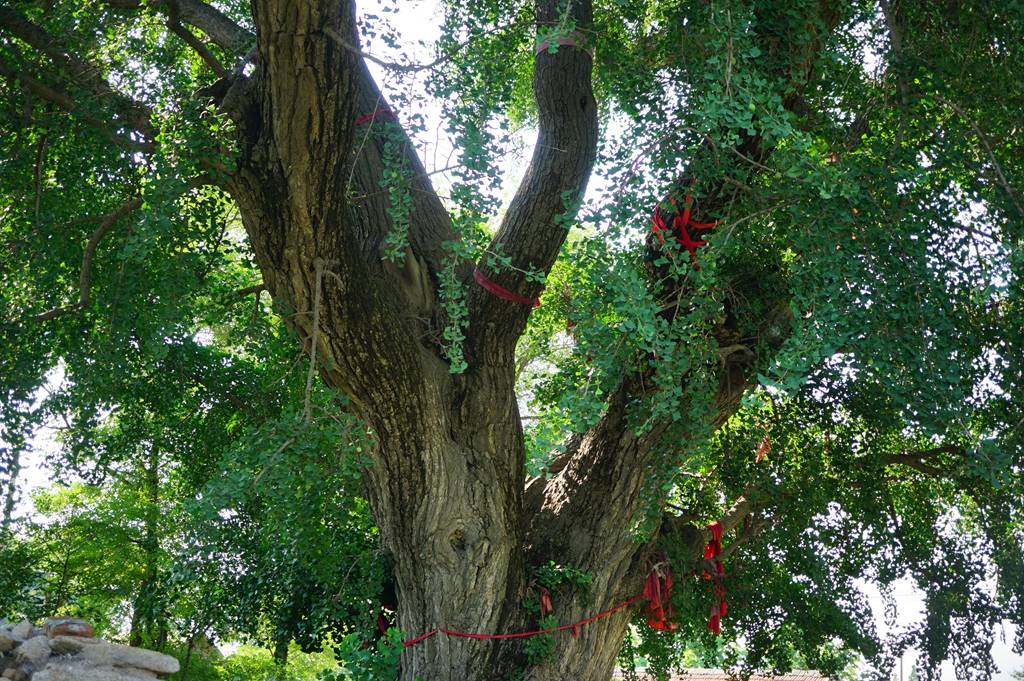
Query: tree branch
x: 895, y: 48
x: 412, y: 68
x: 218, y: 26
x: 197, y: 45
x: 1003, y: 182
x: 85, y: 275
x: 65, y: 102
x: 604, y: 470
x: 249, y: 290
x: 916, y: 459
x: 546, y: 201
x: 76, y: 70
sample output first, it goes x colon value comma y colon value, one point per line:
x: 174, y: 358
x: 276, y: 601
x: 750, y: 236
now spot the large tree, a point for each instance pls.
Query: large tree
x: 835, y: 375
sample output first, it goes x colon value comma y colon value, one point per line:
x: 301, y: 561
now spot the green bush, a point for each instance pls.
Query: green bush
x: 249, y: 663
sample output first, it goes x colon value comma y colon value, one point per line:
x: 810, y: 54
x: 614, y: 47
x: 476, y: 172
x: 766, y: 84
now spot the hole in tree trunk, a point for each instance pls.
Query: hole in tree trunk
x: 458, y: 540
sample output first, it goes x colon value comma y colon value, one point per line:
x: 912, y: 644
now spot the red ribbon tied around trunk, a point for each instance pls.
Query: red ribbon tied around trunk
x: 679, y: 226
x: 656, y: 591
x: 712, y: 551
x: 502, y: 292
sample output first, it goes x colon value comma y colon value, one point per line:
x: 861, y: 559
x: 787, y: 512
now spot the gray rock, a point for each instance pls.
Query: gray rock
x: 16, y: 674
x: 34, y: 651
x: 115, y: 655
x: 7, y: 642
x: 71, y: 671
x: 70, y: 645
x: 22, y: 630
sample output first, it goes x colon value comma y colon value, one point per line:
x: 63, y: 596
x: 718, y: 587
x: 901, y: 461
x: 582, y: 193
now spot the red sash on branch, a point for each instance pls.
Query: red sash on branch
x: 719, y: 606
x: 658, y: 592
x: 679, y: 227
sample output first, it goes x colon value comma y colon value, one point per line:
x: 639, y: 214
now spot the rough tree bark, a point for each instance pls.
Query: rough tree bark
x: 447, y: 484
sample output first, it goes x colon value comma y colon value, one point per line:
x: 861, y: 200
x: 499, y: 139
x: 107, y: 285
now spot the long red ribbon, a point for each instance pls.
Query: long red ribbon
x: 524, y: 634
x: 711, y: 552
x: 656, y: 592
x: 502, y: 292
x: 383, y: 113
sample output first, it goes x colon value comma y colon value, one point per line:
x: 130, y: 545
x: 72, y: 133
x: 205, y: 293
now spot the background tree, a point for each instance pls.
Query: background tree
x: 835, y: 375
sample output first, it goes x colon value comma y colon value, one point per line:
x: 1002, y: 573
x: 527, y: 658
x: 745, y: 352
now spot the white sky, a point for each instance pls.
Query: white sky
x: 418, y: 24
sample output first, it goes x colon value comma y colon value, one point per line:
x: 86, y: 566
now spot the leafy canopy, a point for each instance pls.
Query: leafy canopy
x: 879, y: 234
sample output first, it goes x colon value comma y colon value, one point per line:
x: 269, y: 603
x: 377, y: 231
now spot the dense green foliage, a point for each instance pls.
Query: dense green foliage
x: 879, y: 229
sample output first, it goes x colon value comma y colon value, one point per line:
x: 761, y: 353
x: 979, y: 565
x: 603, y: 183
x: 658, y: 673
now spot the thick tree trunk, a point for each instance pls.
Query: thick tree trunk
x: 447, y: 482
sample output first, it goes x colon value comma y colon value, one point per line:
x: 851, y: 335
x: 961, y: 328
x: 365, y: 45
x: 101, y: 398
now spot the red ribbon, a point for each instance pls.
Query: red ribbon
x: 502, y: 292
x: 656, y: 592
x: 573, y: 628
x: 382, y: 113
x: 711, y: 552
x: 574, y: 39
x: 680, y: 222
x: 545, y: 602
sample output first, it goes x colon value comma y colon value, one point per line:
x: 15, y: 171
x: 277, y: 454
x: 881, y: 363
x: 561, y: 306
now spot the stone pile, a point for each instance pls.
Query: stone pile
x: 65, y: 650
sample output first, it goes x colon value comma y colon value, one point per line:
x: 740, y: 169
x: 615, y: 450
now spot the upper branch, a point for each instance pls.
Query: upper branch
x: 211, y: 21
x: 62, y: 99
x: 208, y: 19
x: 85, y: 275
x: 106, y: 222
x: 75, y: 70
x: 545, y: 203
x: 197, y: 45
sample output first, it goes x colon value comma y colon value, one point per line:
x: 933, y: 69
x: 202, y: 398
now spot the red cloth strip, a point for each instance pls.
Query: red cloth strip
x: 408, y: 643
x: 383, y: 113
x: 574, y: 39
x: 711, y: 552
x: 502, y: 292
x: 680, y: 222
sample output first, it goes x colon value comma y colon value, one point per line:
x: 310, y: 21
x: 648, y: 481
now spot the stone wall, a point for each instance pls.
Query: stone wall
x: 65, y: 650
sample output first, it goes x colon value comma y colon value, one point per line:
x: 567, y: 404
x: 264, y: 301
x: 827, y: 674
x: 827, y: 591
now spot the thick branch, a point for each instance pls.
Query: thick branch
x: 604, y: 468
x: 67, y: 103
x: 544, y: 206
x: 197, y: 45
x: 294, y: 169
x: 208, y: 19
x: 78, y: 71
x: 895, y: 49
x: 916, y: 460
